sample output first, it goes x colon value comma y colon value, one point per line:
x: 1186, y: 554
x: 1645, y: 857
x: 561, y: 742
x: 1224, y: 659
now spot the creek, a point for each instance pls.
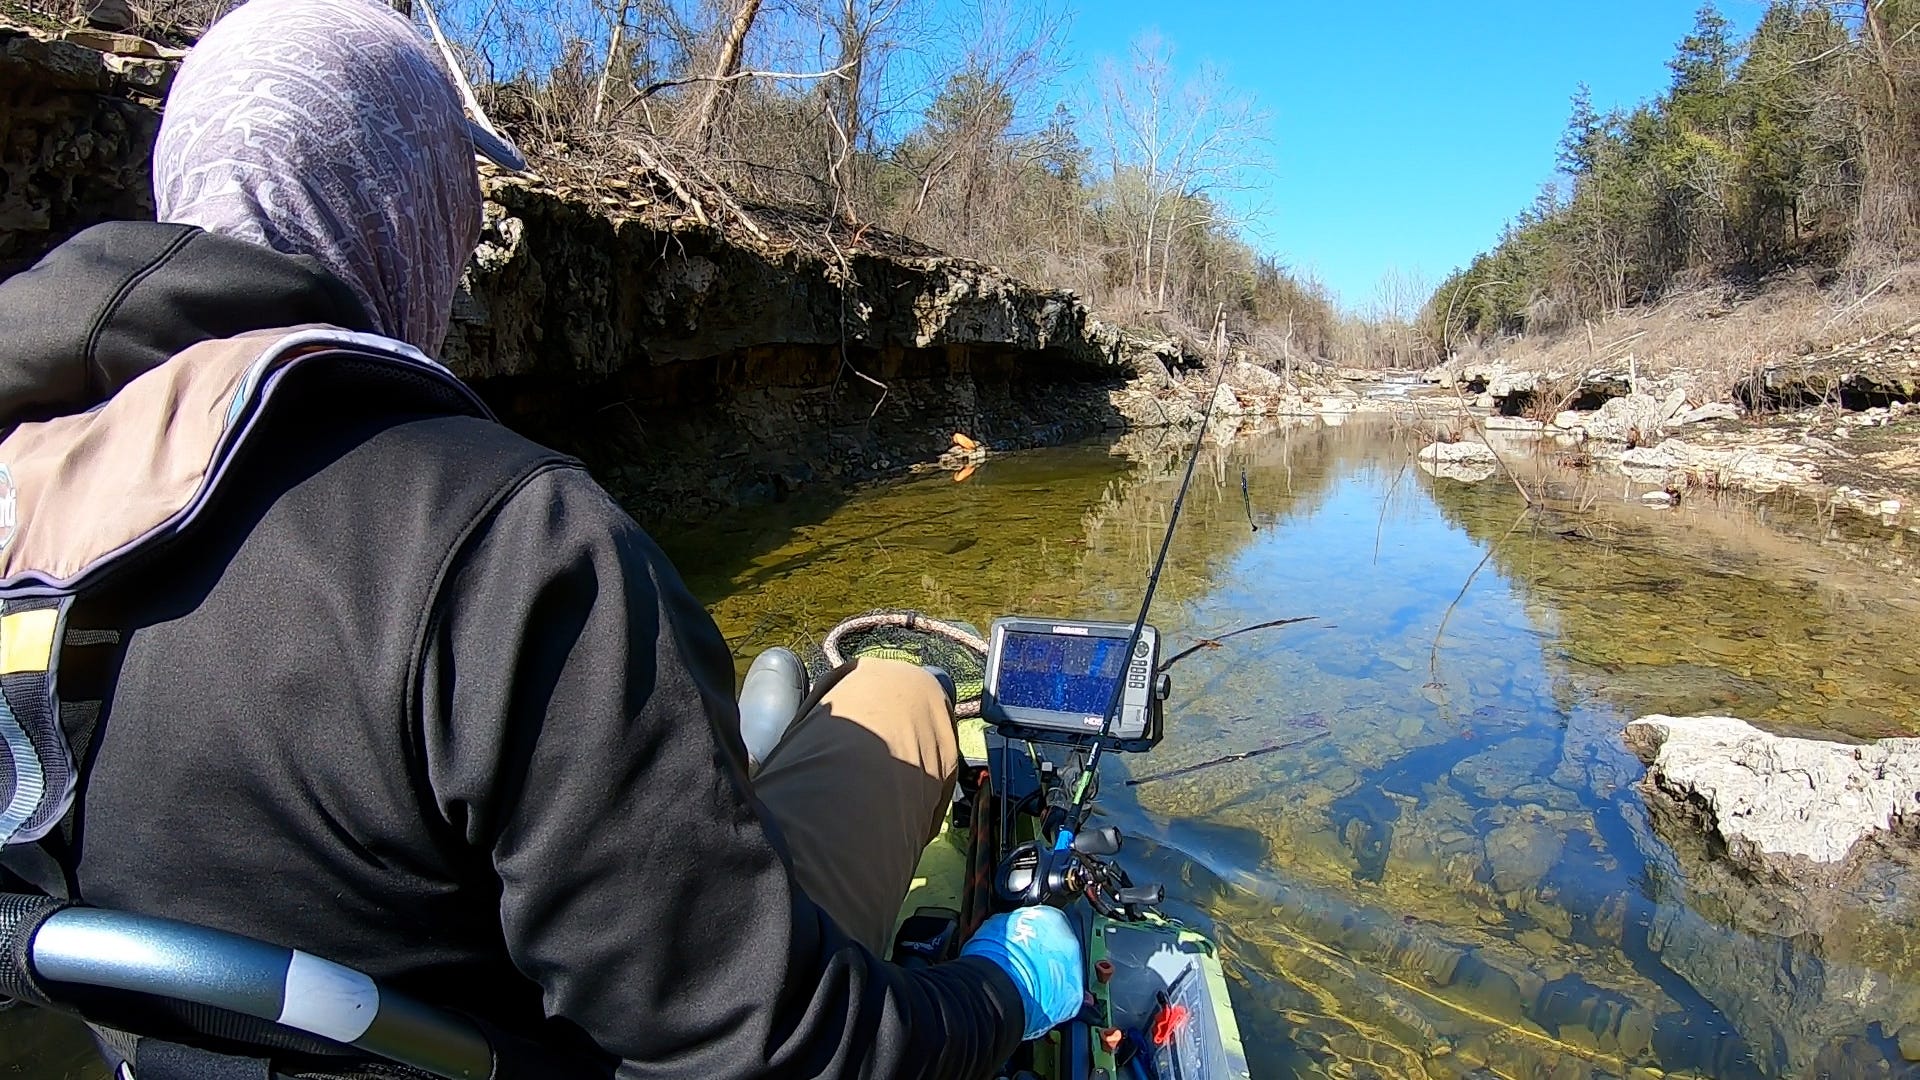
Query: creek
x: 1440, y: 866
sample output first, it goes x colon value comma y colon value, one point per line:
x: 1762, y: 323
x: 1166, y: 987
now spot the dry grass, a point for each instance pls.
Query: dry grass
x: 1719, y: 337
x: 1551, y: 397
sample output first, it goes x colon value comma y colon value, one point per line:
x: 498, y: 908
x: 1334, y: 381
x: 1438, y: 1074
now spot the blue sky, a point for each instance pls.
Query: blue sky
x: 1406, y: 132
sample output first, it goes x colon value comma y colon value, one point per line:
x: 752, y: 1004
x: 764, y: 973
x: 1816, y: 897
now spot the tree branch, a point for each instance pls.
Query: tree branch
x: 651, y: 89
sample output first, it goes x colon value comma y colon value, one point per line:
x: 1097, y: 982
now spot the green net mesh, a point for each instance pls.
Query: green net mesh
x: 915, y: 638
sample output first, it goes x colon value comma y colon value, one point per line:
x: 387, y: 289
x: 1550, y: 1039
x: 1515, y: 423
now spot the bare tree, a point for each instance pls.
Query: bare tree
x: 1173, y: 147
x: 700, y: 128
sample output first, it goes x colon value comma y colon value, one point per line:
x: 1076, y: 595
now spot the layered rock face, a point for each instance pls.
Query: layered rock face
x: 76, y: 137
x: 691, y: 369
x: 693, y: 372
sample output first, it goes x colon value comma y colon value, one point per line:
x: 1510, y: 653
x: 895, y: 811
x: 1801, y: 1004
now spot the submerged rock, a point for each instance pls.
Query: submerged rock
x: 1790, y: 808
x: 1520, y: 853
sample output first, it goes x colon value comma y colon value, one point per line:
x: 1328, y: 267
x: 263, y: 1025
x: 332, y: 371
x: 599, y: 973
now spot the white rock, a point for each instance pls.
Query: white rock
x: 1225, y: 403
x: 1624, y: 419
x: 1758, y: 467
x: 1463, y: 451
x: 1467, y: 472
x: 1713, y: 410
x: 1890, y: 507
x: 1570, y: 420
x: 1255, y: 377
x: 1675, y: 404
x: 1774, y: 799
x: 1657, y: 498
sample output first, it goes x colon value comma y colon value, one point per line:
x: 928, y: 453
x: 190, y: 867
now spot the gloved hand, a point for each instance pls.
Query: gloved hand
x: 1040, y: 949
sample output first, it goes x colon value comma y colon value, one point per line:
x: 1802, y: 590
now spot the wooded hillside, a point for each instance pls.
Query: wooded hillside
x: 1794, y: 148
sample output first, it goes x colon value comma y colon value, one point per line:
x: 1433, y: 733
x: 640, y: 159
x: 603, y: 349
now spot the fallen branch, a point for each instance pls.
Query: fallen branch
x: 1214, y: 642
x: 1848, y: 310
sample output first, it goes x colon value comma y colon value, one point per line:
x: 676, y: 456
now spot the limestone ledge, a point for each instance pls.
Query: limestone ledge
x: 1788, y: 808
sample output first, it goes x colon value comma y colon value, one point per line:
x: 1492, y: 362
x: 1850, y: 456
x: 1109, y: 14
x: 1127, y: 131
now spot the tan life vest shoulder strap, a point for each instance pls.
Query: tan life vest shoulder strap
x: 80, y: 494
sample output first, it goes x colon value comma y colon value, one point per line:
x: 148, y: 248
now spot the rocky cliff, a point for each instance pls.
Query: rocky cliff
x: 692, y: 364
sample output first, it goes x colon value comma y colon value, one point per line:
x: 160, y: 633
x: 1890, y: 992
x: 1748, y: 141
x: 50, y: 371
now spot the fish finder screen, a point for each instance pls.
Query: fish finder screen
x: 1060, y: 673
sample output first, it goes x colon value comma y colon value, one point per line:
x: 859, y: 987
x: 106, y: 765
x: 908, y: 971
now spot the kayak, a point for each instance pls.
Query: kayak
x: 1158, y: 1005
x: 1160, y: 1010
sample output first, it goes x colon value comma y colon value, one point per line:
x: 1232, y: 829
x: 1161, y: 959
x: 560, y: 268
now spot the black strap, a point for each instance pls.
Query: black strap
x: 32, y: 868
x: 156, y: 1060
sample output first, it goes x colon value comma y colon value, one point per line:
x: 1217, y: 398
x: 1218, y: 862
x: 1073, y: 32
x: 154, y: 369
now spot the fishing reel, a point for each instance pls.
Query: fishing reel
x: 1070, y: 861
x: 1076, y: 865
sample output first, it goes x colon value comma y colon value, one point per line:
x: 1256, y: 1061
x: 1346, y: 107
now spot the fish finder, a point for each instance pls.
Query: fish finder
x: 1051, y: 680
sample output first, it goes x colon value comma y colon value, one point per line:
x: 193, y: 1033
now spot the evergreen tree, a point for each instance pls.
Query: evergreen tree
x: 1702, y: 66
x: 1580, y: 145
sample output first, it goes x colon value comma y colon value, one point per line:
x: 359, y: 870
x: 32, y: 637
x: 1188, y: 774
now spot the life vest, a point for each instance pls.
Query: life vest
x: 82, y: 499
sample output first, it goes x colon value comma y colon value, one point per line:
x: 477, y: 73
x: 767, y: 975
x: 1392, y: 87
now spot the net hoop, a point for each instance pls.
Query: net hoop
x: 913, y: 622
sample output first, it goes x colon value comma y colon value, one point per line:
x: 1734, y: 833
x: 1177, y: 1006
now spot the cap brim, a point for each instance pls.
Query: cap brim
x: 494, y: 148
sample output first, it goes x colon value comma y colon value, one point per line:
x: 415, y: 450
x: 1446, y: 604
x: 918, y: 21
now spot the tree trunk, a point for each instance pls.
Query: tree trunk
x: 853, y: 53
x: 728, y: 65
x: 404, y: 7
x: 1876, y: 24
x: 613, y: 57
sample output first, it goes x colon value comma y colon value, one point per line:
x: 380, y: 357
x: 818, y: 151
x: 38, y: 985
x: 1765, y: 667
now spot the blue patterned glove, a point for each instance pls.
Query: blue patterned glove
x: 1039, y: 948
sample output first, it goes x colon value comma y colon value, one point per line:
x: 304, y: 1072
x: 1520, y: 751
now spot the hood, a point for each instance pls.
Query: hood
x: 122, y: 298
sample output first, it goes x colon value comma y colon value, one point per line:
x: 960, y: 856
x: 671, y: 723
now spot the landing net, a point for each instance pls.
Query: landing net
x: 915, y: 638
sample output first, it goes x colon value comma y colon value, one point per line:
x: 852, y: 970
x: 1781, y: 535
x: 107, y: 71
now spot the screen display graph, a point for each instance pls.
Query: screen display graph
x: 1059, y: 672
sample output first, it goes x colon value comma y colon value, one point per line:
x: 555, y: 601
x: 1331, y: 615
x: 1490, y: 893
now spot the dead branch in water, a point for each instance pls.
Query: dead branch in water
x: 1433, y: 654
x: 1214, y: 642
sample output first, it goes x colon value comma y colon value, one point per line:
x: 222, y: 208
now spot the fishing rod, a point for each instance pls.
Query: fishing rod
x: 1090, y: 771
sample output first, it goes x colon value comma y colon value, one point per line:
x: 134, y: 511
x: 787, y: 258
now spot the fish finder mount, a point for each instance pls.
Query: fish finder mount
x: 1052, y: 681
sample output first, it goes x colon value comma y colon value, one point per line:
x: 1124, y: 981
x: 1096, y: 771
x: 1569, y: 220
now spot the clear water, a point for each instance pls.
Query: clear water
x: 1441, y: 866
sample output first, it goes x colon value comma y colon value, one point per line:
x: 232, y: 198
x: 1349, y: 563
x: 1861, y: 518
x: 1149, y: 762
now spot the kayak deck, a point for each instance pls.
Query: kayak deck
x: 1166, y: 996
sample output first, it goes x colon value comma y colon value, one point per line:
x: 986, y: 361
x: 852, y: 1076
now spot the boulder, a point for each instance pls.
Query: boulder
x: 1677, y: 462
x: 1790, y: 808
x: 109, y: 14
x: 1634, y: 418
x: 1468, y: 451
x: 27, y: 60
x: 1256, y: 378
x: 1713, y: 410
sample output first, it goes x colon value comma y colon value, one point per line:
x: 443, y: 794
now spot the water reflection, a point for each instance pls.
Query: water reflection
x: 1443, y: 869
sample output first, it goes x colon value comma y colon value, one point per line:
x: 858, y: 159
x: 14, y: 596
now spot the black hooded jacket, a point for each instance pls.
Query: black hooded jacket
x: 418, y: 697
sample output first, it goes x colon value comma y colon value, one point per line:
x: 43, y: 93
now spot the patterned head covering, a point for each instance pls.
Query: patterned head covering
x: 325, y: 128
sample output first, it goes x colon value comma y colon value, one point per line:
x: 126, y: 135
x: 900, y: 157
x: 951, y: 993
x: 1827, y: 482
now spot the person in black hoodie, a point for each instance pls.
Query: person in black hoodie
x: 418, y: 696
